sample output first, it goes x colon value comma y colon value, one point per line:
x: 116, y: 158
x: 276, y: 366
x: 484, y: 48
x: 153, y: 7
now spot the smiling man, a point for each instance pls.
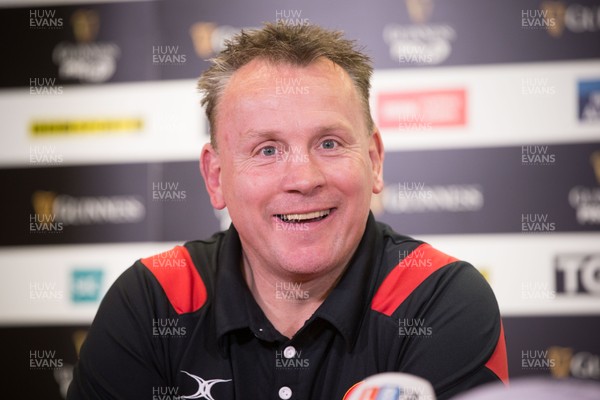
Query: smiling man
x: 306, y: 294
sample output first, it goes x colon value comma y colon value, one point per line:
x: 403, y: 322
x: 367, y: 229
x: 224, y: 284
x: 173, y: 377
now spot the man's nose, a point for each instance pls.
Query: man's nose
x: 302, y: 173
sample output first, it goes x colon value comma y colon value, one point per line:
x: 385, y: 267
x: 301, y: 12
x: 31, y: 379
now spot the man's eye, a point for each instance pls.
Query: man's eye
x: 268, y: 151
x: 329, y: 144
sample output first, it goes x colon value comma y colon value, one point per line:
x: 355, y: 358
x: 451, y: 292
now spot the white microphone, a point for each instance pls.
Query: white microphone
x: 392, y: 386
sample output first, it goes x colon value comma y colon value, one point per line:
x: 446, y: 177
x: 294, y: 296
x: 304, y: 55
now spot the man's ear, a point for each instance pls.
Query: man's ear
x: 376, y: 155
x: 210, y: 167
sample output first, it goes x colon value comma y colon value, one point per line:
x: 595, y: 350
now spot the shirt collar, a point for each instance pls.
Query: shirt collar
x: 348, y: 302
x: 235, y: 307
x: 344, y: 307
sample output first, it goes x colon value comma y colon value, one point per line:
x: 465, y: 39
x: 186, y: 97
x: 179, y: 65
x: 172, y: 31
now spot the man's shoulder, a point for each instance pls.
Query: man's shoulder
x: 404, y: 251
x: 409, y: 266
x: 185, y: 272
x: 199, y: 255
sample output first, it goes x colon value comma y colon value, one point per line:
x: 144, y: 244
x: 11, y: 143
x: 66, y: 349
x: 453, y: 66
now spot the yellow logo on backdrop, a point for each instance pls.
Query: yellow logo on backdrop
x: 209, y: 38
x: 85, y: 126
x: 78, y: 339
x: 595, y: 160
x: 419, y: 11
x: 43, y: 202
x: 202, y: 36
x: 486, y: 273
x: 555, y: 11
x: 562, y: 361
x: 85, y: 25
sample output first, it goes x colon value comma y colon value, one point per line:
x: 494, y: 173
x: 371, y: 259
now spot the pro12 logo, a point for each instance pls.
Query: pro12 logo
x: 577, y: 274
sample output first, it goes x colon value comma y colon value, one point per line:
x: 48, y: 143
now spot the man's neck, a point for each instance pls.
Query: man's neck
x: 288, y: 301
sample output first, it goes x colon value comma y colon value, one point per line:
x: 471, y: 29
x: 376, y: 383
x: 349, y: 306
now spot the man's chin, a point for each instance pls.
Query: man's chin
x: 306, y: 261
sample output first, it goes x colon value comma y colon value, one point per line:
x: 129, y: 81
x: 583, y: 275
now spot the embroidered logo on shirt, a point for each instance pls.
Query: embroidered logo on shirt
x: 204, y: 387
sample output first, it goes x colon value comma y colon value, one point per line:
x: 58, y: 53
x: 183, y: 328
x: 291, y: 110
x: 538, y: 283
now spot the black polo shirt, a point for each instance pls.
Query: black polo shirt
x: 184, y: 325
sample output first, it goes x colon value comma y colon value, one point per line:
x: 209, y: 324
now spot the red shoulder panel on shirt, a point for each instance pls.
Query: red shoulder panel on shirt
x: 498, y: 362
x: 406, y: 276
x: 179, y: 278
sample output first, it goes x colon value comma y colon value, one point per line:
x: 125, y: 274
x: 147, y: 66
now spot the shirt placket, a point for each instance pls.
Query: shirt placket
x: 291, y: 363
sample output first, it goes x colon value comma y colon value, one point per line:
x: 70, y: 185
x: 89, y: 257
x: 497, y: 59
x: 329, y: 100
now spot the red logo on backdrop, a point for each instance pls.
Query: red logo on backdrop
x: 422, y: 110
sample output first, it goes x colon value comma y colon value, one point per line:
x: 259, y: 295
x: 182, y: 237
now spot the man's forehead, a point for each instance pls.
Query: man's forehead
x: 286, y: 91
x: 261, y: 69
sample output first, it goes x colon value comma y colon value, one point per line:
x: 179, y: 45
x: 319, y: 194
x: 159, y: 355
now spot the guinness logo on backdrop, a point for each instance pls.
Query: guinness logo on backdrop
x: 571, y: 16
x: 86, y: 60
x: 419, y: 43
x: 87, y: 210
x: 555, y: 11
x: 419, y: 11
x: 568, y: 363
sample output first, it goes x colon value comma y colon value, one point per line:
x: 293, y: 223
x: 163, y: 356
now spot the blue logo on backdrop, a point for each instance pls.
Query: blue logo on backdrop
x: 589, y: 101
x: 86, y: 285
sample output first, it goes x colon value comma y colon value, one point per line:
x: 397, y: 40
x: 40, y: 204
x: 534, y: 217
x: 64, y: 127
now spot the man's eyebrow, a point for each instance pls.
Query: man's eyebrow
x: 334, y: 127
x: 255, y: 132
x: 252, y: 134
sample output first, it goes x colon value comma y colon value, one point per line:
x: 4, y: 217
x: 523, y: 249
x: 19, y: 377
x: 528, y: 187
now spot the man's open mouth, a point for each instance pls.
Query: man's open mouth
x: 303, y: 218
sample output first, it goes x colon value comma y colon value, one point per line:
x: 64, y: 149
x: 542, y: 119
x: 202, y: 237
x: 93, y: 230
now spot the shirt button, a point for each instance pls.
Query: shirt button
x: 285, y: 393
x: 289, y: 352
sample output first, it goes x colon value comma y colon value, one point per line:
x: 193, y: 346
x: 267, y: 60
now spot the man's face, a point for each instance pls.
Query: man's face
x: 295, y: 165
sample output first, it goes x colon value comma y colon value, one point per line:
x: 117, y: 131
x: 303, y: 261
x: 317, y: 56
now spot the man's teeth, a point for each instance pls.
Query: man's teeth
x: 303, y: 217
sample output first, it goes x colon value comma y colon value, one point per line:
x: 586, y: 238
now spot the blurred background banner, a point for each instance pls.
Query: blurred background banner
x: 489, y: 112
x: 111, y: 203
x: 130, y: 41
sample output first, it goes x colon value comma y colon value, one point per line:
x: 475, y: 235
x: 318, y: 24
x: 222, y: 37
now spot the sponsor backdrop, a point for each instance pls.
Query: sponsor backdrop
x: 489, y: 111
